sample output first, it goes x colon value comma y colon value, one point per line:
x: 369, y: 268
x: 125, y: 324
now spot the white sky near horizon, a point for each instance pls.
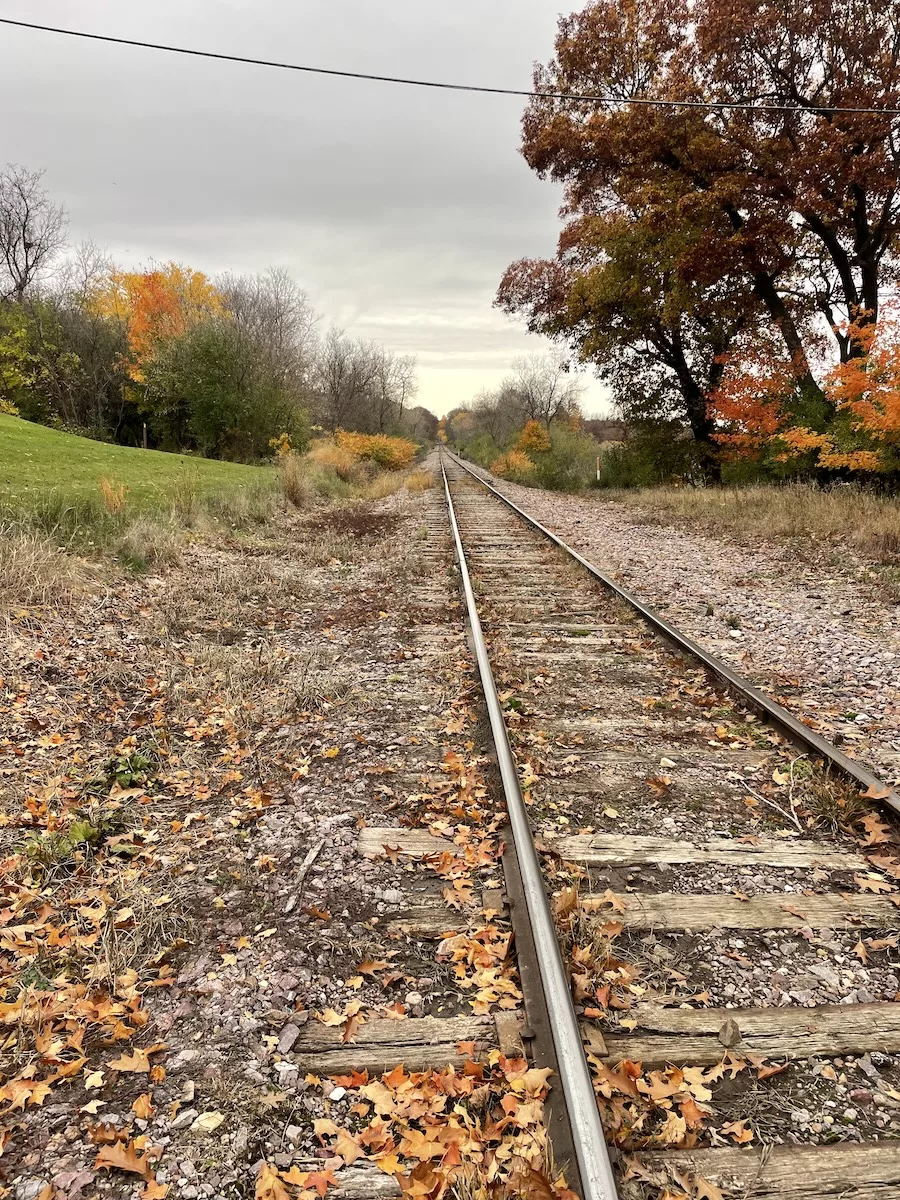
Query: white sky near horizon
x: 396, y: 209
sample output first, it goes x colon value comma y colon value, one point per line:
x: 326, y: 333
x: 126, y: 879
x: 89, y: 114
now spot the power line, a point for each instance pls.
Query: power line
x: 453, y: 87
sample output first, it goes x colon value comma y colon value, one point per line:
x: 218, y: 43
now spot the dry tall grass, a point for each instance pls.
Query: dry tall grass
x: 842, y: 515
x: 419, y: 481
x: 35, y: 571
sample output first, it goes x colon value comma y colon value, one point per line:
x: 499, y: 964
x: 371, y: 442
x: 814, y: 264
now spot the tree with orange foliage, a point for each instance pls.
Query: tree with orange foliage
x: 155, y: 306
x: 758, y: 415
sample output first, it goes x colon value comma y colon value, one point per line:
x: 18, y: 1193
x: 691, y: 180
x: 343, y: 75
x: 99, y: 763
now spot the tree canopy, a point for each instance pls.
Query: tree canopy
x: 695, y: 237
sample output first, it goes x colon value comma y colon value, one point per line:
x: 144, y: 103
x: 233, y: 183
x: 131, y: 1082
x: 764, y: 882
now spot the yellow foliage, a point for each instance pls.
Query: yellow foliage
x: 7, y: 408
x: 392, y: 453
x: 281, y: 445
x: 336, y: 458
x: 534, y: 437
x: 513, y: 465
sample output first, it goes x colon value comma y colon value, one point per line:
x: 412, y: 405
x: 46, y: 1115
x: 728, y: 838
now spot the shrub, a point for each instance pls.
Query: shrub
x: 653, y: 455
x: 482, y: 449
x: 569, y: 464
x: 534, y: 437
x: 340, y: 459
x: 391, y: 453
x: 514, y: 465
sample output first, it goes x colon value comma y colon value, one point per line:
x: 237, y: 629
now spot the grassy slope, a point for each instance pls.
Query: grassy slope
x: 35, y: 460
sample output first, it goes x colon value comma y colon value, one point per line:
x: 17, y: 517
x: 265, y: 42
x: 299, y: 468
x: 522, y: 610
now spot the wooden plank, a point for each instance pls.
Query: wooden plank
x: 412, y: 843
x: 359, y: 1182
x: 508, y: 1027
x: 671, y: 910
x: 698, y: 755
x: 420, y: 1043
x: 851, y: 1171
x: 631, y: 850
x: 691, y: 1036
x: 426, y: 921
x: 414, y: 1031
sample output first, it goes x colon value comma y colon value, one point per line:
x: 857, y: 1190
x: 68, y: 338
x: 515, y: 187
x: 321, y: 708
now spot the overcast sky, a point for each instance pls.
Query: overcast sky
x: 397, y: 209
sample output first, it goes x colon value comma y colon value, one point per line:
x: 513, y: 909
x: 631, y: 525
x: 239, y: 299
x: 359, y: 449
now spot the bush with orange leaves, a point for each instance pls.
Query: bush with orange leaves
x: 514, y: 465
x: 391, y: 453
x: 760, y: 416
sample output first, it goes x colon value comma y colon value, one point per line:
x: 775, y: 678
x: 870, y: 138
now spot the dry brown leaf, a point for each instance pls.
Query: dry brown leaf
x: 122, y: 1156
x: 143, y: 1106
x: 739, y: 1131
x: 137, y: 1062
x: 872, y: 883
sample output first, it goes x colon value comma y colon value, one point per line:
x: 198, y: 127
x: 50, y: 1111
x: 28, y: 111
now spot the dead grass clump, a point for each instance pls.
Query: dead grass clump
x: 34, y: 571
x: 185, y: 494
x: 244, y: 506
x: 327, y: 547
x: 150, y: 928
x: 148, y: 543
x: 842, y: 515
x: 419, y: 481
x: 385, y: 484
x: 113, y: 496
x: 833, y: 803
x: 295, y: 482
x: 246, y: 678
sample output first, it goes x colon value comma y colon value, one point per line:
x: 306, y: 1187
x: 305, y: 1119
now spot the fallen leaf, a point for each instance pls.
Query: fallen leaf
x: 875, y: 792
x: 143, y: 1106
x: 269, y: 1185
x: 137, y: 1062
x: 121, y: 1156
x: 872, y: 883
x: 207, y: 1122
x: 739, y: 1131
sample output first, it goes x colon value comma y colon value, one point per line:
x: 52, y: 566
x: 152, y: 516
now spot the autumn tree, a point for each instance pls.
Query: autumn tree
x: 155, y: 305
x: 617, y: 295
x: 783, y: 214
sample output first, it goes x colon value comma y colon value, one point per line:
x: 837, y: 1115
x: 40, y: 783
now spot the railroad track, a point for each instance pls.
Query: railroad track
x: 706, y: 885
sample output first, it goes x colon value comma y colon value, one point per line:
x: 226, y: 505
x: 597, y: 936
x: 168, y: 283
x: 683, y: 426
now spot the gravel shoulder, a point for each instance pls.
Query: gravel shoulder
x: 819, y: 638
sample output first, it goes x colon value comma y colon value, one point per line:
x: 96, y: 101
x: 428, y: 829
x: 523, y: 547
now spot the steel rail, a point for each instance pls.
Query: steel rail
x: 770, y: 709
x: 592, y: 1157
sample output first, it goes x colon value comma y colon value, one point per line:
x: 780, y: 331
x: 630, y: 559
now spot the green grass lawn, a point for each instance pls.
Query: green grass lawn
x: 36, y: 462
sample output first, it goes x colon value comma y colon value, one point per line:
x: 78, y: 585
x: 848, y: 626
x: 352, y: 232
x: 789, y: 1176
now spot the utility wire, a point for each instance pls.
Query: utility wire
x: 454, y: 87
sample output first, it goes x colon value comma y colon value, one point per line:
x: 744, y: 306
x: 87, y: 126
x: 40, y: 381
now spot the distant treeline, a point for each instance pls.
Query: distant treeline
x: 169, y: 357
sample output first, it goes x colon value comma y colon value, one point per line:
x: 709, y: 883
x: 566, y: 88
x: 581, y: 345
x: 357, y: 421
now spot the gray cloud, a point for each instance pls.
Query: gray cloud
x: 397, y: 209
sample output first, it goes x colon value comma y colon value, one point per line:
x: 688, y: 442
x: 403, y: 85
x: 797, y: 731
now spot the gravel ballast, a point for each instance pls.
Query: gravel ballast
x: 816, y: 636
